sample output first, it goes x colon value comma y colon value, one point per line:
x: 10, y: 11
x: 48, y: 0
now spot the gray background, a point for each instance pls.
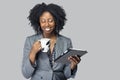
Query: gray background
x: 92, y: 25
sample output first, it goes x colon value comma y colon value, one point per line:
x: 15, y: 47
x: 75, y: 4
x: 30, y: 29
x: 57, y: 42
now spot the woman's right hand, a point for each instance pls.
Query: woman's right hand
x: 35, y: 48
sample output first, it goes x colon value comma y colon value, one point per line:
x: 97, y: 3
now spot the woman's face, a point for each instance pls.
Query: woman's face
x: 47, y: 22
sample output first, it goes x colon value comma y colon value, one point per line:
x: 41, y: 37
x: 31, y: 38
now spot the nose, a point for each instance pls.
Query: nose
x: 46, y: 24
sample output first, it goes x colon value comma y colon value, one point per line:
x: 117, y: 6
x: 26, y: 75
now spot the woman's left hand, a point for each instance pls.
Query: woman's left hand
x: 74, y: 61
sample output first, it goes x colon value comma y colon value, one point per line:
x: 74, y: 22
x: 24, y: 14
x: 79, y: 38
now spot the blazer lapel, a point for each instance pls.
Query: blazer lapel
x: 59, y: 47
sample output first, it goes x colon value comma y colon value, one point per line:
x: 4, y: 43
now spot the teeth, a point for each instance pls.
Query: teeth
x: 47, y: 29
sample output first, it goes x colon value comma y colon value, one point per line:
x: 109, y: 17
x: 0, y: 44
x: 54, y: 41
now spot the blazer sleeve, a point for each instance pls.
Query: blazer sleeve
x: 27, y: 67
x: 67, y: 70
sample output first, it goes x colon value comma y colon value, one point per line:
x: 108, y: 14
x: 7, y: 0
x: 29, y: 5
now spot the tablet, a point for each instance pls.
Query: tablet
x: 69, y: 52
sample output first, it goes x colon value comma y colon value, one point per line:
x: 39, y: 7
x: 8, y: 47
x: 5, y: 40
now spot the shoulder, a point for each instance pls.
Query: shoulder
x: 33, y: 38
x: 64, y: 38
x: 66, y: 41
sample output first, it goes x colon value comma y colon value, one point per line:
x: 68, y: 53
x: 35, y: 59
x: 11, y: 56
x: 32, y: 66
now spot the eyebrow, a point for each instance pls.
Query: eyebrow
x: 45, y: 18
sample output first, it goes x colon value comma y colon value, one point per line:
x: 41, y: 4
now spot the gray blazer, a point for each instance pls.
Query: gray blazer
x: 42, y: 69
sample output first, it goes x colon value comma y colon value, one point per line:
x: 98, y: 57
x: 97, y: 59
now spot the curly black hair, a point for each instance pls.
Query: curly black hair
x: 57, y: 12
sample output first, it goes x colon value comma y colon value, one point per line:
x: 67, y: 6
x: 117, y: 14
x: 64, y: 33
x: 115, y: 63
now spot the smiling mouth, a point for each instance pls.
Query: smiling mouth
x: 47, y: 29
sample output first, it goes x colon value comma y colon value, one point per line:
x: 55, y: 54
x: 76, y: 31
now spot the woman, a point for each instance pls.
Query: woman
x: 47, y: 21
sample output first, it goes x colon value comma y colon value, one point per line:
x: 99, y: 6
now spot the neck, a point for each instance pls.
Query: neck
x: 48, y: 35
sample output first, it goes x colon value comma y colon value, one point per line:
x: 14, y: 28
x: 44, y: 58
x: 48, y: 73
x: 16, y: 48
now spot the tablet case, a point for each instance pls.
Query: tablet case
x: 69, y: 52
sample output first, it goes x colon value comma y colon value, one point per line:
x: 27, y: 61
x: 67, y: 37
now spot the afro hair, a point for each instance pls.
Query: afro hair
x: 57, y: 12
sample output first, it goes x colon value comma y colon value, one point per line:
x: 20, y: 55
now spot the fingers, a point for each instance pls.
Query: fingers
x: 37, y: 46
x: 78, y: 58
x: 74, y: 59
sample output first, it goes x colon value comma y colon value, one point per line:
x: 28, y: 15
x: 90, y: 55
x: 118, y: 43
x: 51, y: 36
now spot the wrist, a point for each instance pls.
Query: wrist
x: 73, y: 67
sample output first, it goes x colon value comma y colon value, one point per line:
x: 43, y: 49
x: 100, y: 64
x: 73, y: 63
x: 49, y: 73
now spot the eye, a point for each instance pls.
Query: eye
x: 42, y: 20
x: 50, y: 20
